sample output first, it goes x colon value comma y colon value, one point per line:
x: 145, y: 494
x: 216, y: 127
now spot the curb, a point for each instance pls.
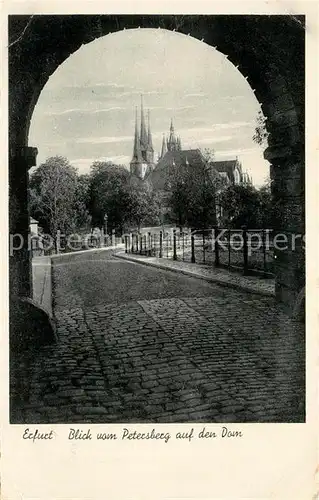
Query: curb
x: 236, y: 286
x: 91, y: 250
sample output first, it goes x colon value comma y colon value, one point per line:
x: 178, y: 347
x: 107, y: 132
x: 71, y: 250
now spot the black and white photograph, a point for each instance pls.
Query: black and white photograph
x: 157, y: 219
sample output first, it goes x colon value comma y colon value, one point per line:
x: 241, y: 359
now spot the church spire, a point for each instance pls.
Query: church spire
x: 149, y: 134
x: 137, y: 148
x: 143, y: 137
x: 164, y: 147
x: 172, y: 144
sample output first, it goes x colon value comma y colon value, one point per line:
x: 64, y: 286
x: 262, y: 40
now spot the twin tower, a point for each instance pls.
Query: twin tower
x: 143, y: 152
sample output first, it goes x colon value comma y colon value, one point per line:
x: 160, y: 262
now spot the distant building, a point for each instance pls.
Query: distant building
x: 230, y: 170
x: 156, y: 175
x: 142, y: 162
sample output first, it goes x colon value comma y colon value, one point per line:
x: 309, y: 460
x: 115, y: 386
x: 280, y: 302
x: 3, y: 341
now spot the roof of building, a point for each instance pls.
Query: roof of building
x: 177, y: 158
x: 227, y: 166
x: 192, y: 157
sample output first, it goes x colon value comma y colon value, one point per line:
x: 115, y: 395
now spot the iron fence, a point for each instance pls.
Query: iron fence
x: 247, y: 250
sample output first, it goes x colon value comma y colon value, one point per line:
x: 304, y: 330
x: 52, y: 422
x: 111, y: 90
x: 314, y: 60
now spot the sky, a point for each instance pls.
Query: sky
x: 86, y: 111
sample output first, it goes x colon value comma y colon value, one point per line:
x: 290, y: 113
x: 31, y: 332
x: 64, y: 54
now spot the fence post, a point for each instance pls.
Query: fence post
x: 183, y: 245
x: 161, y: 245
x: 264, y: 250
x: 245, y: 249
x: 149, y: 243
x: 216, y: 246
x: 229, y: 249
x: 193, y: 249
x: 174, y: 245
x: 140, y: 243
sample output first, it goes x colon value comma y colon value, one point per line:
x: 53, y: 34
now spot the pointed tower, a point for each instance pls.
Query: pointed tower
x: 137, y: 157
x: 164, y: 147
x: 137, y: 164
x: 172, y: 141
x: 143, y: 136
x: 150, y: 149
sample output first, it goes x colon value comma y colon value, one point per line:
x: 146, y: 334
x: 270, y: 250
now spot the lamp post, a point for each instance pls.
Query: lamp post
x: 105, y: 229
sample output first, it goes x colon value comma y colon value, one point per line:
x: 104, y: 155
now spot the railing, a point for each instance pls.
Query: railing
x: 44, y: 246
x: 247, y: 250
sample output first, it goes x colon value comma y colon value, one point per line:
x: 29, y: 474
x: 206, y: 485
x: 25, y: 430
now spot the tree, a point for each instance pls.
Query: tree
x: 82, y: 201
x: 246, y: 205
x: 241, y: 206
x: 144, y: 205
x: 178, y: 197
x: 53, y: 192
x: 266, y: 206
x: 208, y: 154
x: 109, y: 194
x: 260, y: 136
x: 192, y: 193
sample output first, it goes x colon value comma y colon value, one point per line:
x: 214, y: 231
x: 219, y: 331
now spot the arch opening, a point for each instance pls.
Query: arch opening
x: 277, y: 81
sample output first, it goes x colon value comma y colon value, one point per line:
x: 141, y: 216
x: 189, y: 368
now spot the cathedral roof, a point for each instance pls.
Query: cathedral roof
x: 176, y: 158
x: 192, y: 157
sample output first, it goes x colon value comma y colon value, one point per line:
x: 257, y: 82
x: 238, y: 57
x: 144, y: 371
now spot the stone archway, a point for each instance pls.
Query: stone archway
x: 267, y: 50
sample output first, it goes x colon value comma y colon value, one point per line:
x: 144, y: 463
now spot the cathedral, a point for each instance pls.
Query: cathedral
x: 144, y: 167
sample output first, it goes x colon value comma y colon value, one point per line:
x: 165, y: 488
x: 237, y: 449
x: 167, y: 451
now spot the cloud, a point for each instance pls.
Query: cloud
x: 213, y: 140
x: 85, y: 111
x: 199, y: 94
x: 112, y: 85
x: 232, y: 98
x: 141, y: 92
x: 178, y: 108
x: 113, y: 139
x: 215, y: 127
x: 239, y: 152
x: 104, y: 140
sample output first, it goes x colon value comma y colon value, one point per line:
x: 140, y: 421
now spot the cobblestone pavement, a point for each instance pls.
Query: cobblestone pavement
x: 214, y: 355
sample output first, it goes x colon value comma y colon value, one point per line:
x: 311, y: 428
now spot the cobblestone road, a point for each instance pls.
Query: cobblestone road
x: 127, y: 354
